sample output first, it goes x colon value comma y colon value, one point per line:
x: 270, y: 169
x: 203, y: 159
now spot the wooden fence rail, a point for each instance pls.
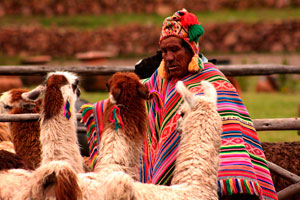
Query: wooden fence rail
x: 289, y: 191
x: 229, y: 70
x: 259, y: 124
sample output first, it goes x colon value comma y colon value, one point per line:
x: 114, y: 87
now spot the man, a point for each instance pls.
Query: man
x: 243, y: 168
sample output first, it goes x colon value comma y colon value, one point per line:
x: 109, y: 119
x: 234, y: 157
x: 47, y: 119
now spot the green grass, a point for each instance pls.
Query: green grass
x: 93, y: 97
x: 91, y: 22
x: 271, y: 105
x: 9, y: 60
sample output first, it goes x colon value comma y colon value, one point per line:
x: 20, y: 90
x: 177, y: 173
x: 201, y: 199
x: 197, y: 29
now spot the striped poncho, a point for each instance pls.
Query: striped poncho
x: 243, y: 168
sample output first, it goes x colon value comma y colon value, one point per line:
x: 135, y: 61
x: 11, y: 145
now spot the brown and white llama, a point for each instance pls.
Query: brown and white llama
x: 120, y: 147
x: 58, y: 124
x: 195, y: 175
x: 25, y: 134
x: 58, y: 137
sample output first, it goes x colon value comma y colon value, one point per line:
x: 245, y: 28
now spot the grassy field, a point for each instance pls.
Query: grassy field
x: 92, y: 22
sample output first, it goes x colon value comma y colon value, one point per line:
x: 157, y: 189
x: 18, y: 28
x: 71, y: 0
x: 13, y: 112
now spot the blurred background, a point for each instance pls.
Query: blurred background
x: 115, y: 32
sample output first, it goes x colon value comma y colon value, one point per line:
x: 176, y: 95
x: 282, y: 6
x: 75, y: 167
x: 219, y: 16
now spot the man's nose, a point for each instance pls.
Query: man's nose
x: 169, y: 56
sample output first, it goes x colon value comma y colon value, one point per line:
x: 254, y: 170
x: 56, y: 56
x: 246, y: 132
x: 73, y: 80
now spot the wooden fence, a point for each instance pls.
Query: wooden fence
x: 228, y: 70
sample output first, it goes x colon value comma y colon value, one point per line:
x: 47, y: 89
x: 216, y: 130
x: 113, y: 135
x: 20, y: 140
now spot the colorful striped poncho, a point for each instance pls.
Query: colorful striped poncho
x: 243, y: 168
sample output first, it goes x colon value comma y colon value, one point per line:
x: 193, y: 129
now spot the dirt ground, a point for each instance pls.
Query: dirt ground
x: 286, y: 155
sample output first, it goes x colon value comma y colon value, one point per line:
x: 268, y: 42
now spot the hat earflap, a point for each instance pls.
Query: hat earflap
x: 195, y: 64
x: 162, y: 72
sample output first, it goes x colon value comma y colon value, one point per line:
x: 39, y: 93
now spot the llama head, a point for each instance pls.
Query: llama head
x: 58, y: 89
x: 125, y: 87
x: 129, y: 95
x: 191, y: 101
x: 12, y: 100
x: 144, y: 68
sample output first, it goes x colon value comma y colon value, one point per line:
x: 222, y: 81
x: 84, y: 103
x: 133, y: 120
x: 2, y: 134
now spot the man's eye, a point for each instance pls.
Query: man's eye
x: 174, y: 49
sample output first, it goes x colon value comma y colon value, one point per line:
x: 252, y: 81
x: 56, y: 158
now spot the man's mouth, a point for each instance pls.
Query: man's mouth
x: 172, y: 67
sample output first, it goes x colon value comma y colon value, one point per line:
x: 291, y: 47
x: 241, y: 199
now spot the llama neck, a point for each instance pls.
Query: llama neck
x: 25, y: 137
x: 198, y: 154
x: 59, y: 141
x: 119, y: 152
x: 121, y: 149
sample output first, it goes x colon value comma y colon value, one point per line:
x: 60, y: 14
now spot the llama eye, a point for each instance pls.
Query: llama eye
x: 181, y: 113
x: 74, y: 87
x: 7, y: 107
x: 107, y: 86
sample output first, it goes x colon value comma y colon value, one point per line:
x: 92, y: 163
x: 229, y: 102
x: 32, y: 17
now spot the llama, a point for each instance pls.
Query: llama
x: 58, y: 126
x: 195, y: 175
x: 24, y: 135
x: 120, y: 147
x: 60, y: 87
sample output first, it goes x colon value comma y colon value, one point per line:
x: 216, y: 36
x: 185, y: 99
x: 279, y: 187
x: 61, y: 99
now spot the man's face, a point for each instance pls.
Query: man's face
x: 176, y: 57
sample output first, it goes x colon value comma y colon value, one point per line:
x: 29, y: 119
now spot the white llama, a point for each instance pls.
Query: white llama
x: 58, y: 124
x: 195, y: 175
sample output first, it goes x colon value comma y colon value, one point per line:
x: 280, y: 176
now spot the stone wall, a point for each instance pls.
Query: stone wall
x: 137, y: 39
x: 68, y: 7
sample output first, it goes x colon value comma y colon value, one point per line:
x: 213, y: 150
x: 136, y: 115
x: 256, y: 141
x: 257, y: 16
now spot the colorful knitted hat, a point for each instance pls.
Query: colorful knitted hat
x: 184, y: 25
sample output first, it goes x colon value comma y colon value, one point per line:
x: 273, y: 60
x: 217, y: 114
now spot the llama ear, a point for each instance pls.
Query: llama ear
x: 143, y: 92
x: 116, y: 92
x: 209, y: 91
x: 108, y: 84
x: 187, y: 96
x: 34, y: 94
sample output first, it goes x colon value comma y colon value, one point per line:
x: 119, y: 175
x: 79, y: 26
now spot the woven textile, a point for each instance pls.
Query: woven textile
x: 92, y: 117
x: 243, y: 168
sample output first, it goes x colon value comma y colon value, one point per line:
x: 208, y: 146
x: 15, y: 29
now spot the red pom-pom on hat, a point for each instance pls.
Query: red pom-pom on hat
x: 189, y: 19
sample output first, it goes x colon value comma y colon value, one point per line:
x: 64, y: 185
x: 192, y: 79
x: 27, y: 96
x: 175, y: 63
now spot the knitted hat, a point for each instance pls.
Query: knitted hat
x: 184, y: 25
